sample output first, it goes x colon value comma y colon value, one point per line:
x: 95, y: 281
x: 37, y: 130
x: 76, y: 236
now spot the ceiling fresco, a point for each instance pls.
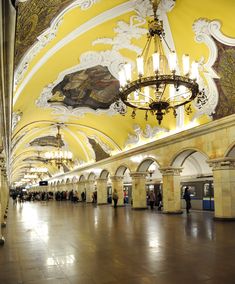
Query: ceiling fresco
x: 33, y: 18
x: 70, y: 78
x: 225, y: 68
x: 47, y: 141
x: 94, y: 87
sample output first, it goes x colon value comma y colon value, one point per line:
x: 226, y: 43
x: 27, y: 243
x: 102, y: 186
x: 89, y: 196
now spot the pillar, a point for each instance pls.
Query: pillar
x: 138, y: 190
x: 101, y: 191
x: 171, y: 190
x: 3, y: 197
x: 81, y: 186
x: 117, y: 182
x: 224, y: 188
x: 89, y: 190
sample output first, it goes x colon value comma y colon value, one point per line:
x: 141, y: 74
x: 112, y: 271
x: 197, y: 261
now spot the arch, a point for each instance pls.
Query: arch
x: 179, y: 159
x: 91, y: 176
x: 82, y: 178
x: 67, y: 181
x: 193, y: 161
x: 121, y: 170
x: 104, y: 174
x: 231, y: 151
x: 145, y: 164
x: 74, y: 179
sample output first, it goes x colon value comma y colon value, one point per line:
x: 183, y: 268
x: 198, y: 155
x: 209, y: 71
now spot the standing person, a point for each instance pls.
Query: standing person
x: 159, y: 199
x: 187, y: 199
x: 115, y: 197
x: 151, y: 199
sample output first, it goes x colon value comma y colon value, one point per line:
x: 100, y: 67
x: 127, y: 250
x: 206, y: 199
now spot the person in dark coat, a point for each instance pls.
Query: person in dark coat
x: 187, y: 199
x: 115, y: 198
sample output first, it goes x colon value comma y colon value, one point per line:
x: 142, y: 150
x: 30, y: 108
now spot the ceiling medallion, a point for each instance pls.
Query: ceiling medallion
x: 158, y: 87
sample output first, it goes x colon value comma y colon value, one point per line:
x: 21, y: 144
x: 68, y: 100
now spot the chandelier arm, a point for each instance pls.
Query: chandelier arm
x: 147, y: 45
x: 171, y: 50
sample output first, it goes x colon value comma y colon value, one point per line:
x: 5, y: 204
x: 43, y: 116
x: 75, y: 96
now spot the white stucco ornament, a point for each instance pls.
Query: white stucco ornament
x: 146, y: 135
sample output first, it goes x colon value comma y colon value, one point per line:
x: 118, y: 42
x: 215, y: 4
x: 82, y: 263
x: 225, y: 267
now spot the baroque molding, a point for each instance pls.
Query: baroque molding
x: 103, y: 145
x: 149, y: 133
x: 47, y: 36
x: 16, y: 117
x: 205, y: 32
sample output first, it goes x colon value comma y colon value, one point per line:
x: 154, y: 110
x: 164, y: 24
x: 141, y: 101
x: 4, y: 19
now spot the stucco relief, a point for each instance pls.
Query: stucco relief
x: 147, y: 134
x: 16, y: 117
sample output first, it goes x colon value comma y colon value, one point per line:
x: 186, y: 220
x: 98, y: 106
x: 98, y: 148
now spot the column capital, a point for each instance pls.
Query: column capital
x: 138, y: 174
x: 101, y: 179
x: 222, y: 164
x: 171, y: 171
x: 116, y: 178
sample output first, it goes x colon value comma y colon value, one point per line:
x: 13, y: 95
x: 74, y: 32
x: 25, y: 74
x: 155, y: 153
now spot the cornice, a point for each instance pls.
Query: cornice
x: 201, y: 130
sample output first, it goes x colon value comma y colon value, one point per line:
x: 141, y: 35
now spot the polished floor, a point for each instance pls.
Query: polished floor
x: 60, y: 242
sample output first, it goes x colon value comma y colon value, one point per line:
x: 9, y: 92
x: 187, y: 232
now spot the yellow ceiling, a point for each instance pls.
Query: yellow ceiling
x: 63, y: 53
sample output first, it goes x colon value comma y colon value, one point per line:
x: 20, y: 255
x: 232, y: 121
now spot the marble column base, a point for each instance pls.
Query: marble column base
x: 3, y: 225
x: 119, y: 205
x: 2, y: 241
x: 225, y: 219
x: 172, y: 212
x: 102, y: 203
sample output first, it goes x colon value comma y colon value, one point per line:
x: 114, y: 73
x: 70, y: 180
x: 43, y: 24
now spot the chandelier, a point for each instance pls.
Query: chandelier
x: 159, y: 87
x: 59, y: 157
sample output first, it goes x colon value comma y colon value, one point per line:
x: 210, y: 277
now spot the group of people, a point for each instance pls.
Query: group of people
x: 74, y: 197
x: 155, y: 201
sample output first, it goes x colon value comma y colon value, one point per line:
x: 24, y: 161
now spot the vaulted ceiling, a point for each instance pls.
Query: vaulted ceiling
x: 67, y: 57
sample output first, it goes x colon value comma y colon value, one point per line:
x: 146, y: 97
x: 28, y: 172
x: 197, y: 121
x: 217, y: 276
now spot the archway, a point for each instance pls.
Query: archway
x: 153, y: 181
x: 125, y: 182
x: 197, y: 176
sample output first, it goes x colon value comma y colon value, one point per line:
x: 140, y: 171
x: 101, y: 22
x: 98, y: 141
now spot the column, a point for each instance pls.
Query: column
x: 138, y: 190
x: 101, y: 191
x: 224, y: 188
x: 117, y: 182
x: 89, y: 190
x: 81, y: 185
x: 3, y: 198
x: 2, y: 240
x: 1, y: 209
x: 171, y: 190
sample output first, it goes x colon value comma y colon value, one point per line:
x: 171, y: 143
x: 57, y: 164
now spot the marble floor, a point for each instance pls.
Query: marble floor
x: 60, y: 242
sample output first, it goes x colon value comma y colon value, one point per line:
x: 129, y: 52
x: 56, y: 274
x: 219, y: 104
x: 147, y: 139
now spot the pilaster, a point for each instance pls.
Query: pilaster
x: 224, y: 188
x: 171, y: 189
x: 138, y: 190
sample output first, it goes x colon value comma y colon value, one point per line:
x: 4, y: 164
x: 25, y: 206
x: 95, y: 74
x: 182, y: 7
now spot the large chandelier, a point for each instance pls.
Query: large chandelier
x: 159, y: 86
x: 59, y: 157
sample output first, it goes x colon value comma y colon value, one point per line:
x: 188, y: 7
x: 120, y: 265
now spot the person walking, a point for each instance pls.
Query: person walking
x: 115, y: 198
x: 187, y: 199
